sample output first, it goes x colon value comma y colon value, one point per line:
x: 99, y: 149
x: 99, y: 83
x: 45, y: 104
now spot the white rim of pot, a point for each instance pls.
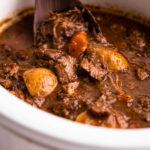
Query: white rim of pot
x: 50, y: 125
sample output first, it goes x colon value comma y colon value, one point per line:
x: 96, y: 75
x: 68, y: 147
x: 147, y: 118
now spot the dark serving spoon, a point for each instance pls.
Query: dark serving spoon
x: 43, y: 7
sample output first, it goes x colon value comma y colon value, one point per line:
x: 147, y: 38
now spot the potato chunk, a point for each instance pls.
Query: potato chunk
x: 39, y: 81
x: 110, y: 57
x: 85, y: 118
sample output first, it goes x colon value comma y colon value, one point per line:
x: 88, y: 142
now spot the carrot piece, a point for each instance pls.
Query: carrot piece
x: 126, y: 97
x: 78, y: 44
x: 120, y: 92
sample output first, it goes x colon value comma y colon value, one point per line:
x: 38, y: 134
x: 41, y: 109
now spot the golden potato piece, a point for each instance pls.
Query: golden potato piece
x: 111, y: 58
x: 39, y: 81
x: 85, y: 118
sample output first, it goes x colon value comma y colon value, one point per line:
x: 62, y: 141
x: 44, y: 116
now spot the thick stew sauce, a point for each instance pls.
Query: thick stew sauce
x: 76, y: 73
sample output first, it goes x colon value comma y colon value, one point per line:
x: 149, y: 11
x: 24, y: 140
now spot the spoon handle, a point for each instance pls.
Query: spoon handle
x: 43, y: 7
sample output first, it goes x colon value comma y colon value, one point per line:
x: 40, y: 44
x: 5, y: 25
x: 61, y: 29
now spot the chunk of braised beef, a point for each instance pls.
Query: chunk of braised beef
x: 147, y: 116
x: 53, y: 54
x: 39, y: 102
x: 12, y: 53
x: 66, y: 69
x: 144, y: 102
x: 86, y: 92
x: 142, y: 74
x: 7, y: 83
x: 6, y: 50
x: 100, y: 110
x: 137, y: 38
x: 65, y: 65
x: 71, y: 87
x: 142, y: 107
x: 122, y: 122
x: 46, y: 29
x: 11, y: 69
x: 93, y: 67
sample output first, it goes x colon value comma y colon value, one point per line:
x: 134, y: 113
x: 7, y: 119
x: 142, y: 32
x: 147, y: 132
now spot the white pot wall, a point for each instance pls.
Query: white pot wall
x: 9, y: 141
x: 9, y: 7
x: 129, y: 6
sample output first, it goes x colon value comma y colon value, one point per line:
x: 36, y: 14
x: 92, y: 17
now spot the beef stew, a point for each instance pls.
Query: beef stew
x: 75, y: 73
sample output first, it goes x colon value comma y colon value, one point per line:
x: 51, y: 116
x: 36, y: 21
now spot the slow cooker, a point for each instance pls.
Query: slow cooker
x: 23, y: 127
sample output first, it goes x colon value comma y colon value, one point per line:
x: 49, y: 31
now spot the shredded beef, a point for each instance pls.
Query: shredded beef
x: 61, y: 25
x: 94, y: 68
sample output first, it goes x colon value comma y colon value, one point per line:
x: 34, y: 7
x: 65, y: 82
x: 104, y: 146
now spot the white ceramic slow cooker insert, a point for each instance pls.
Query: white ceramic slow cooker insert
x: 42, y: 130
